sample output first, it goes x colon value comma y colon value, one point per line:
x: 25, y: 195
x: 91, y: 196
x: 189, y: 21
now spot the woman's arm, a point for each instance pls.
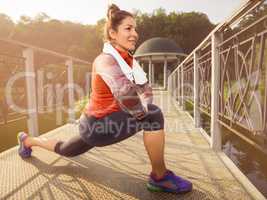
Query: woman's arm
x: 124, y: 91
x: 145, y: 91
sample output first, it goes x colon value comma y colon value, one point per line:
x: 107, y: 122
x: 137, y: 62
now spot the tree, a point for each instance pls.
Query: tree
x: 7, y: 26
x: 181, y: 27
x: 86, y: 41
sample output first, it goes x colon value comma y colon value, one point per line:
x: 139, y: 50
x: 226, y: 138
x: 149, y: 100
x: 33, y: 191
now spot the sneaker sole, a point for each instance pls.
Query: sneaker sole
x: 154, y: 188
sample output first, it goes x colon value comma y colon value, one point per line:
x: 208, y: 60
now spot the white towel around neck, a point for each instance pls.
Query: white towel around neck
x: 136, y: 73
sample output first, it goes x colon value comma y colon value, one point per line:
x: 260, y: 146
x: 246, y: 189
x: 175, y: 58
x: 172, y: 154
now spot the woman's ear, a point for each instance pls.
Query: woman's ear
x: 112, y: 34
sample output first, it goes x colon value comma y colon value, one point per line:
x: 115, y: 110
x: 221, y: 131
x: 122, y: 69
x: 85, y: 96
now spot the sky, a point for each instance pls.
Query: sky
x: 90, y: 11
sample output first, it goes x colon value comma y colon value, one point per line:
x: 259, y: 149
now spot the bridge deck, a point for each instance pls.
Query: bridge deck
x: 119, y: 171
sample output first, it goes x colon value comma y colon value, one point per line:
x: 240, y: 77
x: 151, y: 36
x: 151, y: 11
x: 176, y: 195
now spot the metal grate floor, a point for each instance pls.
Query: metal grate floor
x: 119, y: 171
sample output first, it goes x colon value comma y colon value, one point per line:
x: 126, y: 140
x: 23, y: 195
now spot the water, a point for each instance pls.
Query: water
x: 249, y: 160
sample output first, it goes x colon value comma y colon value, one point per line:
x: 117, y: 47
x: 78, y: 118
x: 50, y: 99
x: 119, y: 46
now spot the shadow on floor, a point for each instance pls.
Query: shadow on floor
x: 89, y: 180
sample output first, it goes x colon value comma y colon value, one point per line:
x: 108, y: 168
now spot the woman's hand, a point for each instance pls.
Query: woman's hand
x: 146, y: 109
x: 141, y: 114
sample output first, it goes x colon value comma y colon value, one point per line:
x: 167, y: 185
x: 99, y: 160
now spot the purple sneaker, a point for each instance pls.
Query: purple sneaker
x: 24, y: 152
x: 169, y: 183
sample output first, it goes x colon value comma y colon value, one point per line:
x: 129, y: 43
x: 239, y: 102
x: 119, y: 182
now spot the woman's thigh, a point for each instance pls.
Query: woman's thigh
x: 108, y: 130
x: 72, y: 147
x: 118, y: 126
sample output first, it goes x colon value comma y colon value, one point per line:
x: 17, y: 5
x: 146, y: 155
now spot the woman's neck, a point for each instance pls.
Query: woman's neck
x: 120, y: 47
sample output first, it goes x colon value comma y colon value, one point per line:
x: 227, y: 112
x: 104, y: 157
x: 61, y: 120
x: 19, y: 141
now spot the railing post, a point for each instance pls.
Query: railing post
x: 40, y: 91
x: 150, y: 71
x: 178, y: 85
x: 174, y: 86
x: 153, y: 74
x: 169, y: 84
x: 216, y: 139
x: 31, y: 92
x: 71, y: 110
x: 196, y: 91
x: 88, y: 83
x: 165, y: 73
x: 182, y: 88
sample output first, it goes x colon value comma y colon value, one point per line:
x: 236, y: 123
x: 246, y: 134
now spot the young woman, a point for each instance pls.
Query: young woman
x: 115, y: 111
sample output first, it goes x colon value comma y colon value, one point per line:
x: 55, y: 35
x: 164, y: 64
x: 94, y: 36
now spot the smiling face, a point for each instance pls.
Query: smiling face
x: 125, y: 37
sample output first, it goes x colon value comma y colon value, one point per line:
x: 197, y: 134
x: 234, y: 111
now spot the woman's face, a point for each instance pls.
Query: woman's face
x: 125, y: 37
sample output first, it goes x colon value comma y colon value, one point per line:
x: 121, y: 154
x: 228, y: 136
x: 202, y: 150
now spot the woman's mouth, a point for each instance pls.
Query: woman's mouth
x: 133, y: 41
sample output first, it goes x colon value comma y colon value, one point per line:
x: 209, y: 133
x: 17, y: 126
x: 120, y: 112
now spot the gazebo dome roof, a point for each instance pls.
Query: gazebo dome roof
x: 158, y: 45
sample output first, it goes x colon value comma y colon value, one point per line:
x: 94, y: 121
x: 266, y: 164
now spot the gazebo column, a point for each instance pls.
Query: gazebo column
x: 150, y: 70
x: 165, y: 73
x: 153, y: 73
x: 178, y: 60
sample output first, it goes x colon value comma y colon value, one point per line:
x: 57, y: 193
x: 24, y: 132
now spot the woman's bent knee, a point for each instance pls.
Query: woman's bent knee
x: 59, y: 149
x: 155, y: 119
x: 73, y: 147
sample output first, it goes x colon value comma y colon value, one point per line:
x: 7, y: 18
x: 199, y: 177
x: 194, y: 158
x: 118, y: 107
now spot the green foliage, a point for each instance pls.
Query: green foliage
x: 86, y: 41
x: 254, y: 15
x: 181, y: 27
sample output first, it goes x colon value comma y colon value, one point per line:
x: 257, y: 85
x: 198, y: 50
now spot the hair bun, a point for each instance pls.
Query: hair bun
x: 111, y: 10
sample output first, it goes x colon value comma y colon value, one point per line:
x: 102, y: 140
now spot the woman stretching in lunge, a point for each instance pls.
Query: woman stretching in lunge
x: 115, y: 111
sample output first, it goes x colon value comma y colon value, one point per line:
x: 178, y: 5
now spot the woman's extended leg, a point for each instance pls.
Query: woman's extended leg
x: 48, y: 144
x: 72, y: 147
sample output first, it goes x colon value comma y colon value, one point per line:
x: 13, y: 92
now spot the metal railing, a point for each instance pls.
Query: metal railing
x: 225, y: 78
x: 38, y: 81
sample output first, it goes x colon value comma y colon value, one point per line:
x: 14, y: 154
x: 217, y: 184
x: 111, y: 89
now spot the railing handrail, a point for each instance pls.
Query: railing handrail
x: 226, y: 82
x: 35, y: 48
x: 32, y: 76
x: 241, y: 10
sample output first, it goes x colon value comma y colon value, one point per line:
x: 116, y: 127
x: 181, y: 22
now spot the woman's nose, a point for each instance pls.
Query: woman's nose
x: 135, y: 34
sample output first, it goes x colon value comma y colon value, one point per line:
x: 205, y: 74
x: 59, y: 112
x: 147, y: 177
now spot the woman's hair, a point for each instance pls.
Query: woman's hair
x: 114, y: 19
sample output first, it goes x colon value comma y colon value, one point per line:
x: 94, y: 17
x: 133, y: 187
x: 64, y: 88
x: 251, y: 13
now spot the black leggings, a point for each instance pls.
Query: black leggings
x: 111, y: 129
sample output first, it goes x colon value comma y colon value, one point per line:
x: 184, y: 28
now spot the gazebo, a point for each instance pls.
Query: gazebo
x: 158, y: 56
